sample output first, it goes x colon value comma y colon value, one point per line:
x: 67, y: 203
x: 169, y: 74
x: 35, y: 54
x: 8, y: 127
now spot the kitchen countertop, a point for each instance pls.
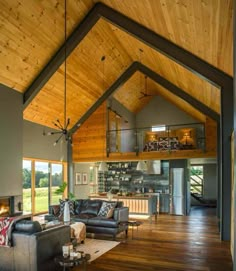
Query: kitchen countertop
x: 137, y: 196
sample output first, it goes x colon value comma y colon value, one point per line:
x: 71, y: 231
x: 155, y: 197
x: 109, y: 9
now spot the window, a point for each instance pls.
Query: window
x: 40, y: 180
x: 196, y: 180
x: 158, y: 128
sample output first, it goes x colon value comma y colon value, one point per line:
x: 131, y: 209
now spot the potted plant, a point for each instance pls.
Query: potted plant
x: 61, y: 189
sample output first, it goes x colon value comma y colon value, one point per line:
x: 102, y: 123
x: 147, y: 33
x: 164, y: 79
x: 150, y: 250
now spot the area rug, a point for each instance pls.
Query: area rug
x: 96, y: 247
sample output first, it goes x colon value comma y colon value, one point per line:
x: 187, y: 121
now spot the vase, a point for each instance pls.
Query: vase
x: 66, y: 214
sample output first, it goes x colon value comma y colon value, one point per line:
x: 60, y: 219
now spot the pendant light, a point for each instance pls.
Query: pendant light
x: 154, y: 167
x: 103, y: 165
x: 141, y: 166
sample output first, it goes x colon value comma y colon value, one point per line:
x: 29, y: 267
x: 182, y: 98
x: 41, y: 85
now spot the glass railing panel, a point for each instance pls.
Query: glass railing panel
x: 173, y: 137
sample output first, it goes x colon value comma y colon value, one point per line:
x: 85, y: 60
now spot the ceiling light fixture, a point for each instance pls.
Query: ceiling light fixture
x: 63, y: 128
x: 142, y: 166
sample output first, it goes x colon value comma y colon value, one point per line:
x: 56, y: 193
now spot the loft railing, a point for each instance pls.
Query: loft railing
x: 159, y: 138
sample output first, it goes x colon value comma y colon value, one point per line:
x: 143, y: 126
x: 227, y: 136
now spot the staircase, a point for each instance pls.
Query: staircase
x: 196, y: 191
x: 202, y: 201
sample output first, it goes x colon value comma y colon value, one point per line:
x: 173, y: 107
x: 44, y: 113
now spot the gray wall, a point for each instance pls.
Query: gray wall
x: 160, y: 111
x: 10, y: 142
x: 82, y: 191
x: 36, y: 145
x: 210, y: 181
x: 127, y: 122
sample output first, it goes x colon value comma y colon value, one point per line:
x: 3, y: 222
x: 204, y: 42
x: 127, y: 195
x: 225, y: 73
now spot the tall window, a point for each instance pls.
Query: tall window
x: 27, y: 183
x: 197, y: 180
x: 40, y: 180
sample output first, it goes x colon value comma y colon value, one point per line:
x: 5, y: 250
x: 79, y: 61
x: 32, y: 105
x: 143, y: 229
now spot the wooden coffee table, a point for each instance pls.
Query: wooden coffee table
x: 70, y: 262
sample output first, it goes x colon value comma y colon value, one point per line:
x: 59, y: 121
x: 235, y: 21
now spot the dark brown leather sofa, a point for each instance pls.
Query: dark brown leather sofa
x: 88, y: 210
x: 33, y: 249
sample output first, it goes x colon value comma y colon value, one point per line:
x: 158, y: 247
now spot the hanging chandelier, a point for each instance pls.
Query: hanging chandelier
x: 63, y: 128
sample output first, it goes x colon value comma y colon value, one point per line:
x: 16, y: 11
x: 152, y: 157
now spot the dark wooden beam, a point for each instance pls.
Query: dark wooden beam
x: 136, y: 66
x: 166, y: 47
x: 179, y: 92
x: 116, y: 85
x: 178, y: 54
x: 72, y: 42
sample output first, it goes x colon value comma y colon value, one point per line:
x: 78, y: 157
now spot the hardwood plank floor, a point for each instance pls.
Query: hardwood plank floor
x: 189, y: 243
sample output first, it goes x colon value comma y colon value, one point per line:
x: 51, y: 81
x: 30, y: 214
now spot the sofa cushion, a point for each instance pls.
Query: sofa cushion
x: 78, y: 205
x: 82, y: 218
x: 90, y: 207
x: 100, y: 221
x: 107, y: 209
x: 71, y: 206
x: 28, y: 226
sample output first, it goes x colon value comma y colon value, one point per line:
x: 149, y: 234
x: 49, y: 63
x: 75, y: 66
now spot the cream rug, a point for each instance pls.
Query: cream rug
x: 96, y: 247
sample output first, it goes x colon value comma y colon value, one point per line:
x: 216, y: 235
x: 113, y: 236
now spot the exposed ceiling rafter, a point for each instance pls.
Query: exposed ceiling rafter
x: 178, y: 54
x: 136, y: 66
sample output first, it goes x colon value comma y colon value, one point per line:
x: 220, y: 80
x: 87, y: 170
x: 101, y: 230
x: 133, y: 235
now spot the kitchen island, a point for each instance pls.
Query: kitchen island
x: 138, y: 204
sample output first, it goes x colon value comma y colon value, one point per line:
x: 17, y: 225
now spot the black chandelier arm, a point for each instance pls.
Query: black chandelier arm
x: 67, y: 124
x: 55, y: 143
x: 53, y: 133
x: 58, y: 124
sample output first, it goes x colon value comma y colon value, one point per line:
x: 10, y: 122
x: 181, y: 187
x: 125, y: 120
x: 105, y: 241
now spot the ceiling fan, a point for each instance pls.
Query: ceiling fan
x: 145, y: 93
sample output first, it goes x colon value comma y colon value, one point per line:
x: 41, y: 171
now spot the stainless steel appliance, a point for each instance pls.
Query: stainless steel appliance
x: 177, y: 197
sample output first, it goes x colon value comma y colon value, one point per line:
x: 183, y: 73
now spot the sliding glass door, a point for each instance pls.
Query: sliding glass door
x: 56, y: 181
x: 40, y: 181
x: 27, y: 185
x: 41, y: 189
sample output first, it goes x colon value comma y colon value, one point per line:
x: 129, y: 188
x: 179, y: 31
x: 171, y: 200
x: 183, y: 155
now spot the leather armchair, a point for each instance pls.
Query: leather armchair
x: 33, y: 249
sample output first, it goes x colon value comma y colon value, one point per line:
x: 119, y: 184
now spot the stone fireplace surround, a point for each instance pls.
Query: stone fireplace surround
x: 12, y: 204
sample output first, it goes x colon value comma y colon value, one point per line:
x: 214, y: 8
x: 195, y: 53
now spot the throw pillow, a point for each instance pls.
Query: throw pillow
x: 107, y: 209
x: 56, y: 210
x: 71, y: 206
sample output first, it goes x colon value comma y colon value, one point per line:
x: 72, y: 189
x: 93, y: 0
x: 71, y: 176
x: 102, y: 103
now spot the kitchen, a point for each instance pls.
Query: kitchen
x: 144, y: 192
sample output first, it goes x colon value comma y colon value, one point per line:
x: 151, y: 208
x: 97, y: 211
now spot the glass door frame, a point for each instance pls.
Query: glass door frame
x: 33, y: 181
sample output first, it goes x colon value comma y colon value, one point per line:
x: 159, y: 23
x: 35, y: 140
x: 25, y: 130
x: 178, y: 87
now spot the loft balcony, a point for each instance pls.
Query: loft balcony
x: 163, y: 142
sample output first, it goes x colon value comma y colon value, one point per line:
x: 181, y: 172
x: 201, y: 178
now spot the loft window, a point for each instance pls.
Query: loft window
x: 158, y: 128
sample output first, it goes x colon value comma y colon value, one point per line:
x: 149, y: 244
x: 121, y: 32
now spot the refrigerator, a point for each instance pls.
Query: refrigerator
x: 177, y: 191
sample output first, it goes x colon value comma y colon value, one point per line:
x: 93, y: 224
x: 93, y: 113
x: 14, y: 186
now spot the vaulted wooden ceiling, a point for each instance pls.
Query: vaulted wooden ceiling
x: 128, y: 34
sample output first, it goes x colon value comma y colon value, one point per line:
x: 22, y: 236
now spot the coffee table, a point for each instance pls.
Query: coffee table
x: 70, y: 262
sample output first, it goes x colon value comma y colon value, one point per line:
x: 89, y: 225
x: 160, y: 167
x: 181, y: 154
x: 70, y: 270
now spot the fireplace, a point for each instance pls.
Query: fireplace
x: 9, y: 206
x: 5, y: 206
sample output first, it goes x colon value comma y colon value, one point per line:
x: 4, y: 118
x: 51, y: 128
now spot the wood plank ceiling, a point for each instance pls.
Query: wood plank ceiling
x: 31, y: 32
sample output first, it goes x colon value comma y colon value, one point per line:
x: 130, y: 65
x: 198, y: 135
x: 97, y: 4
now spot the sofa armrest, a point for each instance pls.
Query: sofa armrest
x: 37, y: 251
x: 121, y: 214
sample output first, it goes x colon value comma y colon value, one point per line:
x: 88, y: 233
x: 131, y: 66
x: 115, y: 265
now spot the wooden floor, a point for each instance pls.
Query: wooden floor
x: 171, y: 243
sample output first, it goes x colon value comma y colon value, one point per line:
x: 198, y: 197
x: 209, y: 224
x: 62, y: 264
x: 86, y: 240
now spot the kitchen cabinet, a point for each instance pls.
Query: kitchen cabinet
x: 123, y: 177
x: 164, y: 203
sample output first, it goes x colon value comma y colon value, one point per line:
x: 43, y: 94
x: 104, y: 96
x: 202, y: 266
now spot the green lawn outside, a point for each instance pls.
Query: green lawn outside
x: 41, y: 199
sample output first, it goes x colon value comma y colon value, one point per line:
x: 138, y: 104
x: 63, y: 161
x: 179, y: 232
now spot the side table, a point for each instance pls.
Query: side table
x: 134, y: 224
x: 70, y: 262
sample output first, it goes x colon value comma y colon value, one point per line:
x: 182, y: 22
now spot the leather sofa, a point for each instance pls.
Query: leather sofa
x: 88, y: 211
x: 33, y: 249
